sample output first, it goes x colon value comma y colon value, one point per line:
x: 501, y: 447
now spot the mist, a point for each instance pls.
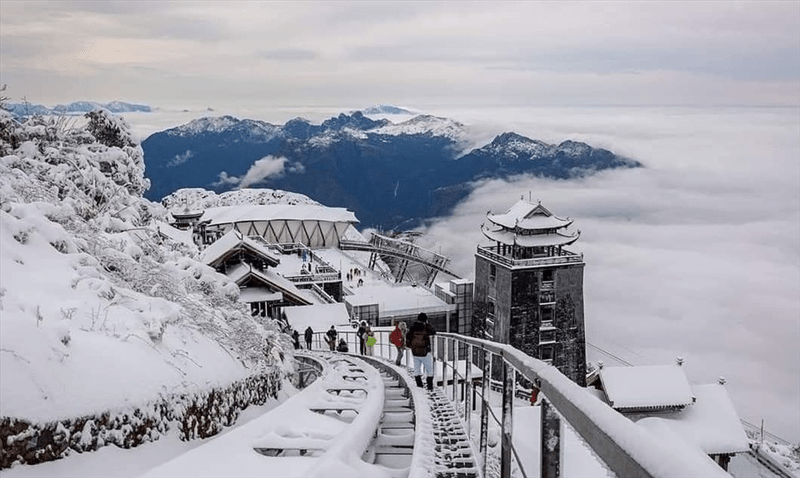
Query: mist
x: 697, y: 255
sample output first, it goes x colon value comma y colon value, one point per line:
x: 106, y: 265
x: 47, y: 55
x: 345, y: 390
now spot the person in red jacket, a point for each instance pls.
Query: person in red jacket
x: 398, y: 338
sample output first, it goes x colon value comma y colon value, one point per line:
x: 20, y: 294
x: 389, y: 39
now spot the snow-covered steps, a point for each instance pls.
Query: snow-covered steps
x: 454, y: 457
x: 393, y: 446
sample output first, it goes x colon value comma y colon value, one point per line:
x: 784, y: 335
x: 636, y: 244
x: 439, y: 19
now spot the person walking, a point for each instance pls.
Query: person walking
x: 296, y: 339
x: 369, y: 339
x: 418, y: 339
x: 362, y: 329
x: 309, y: 334
x: 398, y: 339
x: 331, y: 338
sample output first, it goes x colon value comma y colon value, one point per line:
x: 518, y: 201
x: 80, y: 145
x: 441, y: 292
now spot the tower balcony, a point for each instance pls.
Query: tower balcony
x: 494, y: 254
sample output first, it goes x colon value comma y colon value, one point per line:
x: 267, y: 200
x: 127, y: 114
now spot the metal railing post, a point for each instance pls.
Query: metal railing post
x: 507, y: 419
x: 455, y: 364
x: 551, y: 441
x: 444, y: 368
x: 467, y: 394
x: 487, y: 370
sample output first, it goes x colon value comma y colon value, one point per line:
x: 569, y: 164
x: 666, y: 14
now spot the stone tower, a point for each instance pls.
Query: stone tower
x: 529, y: 287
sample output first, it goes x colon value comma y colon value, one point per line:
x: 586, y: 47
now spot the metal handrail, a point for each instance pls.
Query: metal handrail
x: 626, y: 448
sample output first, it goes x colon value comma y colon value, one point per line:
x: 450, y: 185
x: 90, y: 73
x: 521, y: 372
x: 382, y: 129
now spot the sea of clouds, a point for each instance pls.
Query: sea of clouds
x: 697, y: 255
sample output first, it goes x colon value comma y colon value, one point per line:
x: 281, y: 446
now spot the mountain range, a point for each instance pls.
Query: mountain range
x: 392, y: 175
x: 74, y: 108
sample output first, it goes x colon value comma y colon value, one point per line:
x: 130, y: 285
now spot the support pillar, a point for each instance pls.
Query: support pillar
x: 467, y: 392
x: 455, y: 365
x: 507, y: 420
x: 551, y: 441
x: 487, y: 371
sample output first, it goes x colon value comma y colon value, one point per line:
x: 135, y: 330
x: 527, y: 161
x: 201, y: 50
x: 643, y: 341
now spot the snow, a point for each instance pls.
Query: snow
x: 230, y: 240
x: 293, y: 424
x: 115, y: 462
x: 426, y: 124
x: 397, y: 300
x: 201, y: 199
x: 98, y: 311
x: 319, y: 317
x: 526, y: 215
x: 711, y: 423
x: 231, y: 214
x: 529, y: 240
x: 646, y: 386
x: 256, y: 129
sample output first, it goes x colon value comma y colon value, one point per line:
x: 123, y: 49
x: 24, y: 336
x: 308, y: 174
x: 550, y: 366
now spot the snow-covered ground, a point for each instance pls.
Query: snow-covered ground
x: 100, y: 311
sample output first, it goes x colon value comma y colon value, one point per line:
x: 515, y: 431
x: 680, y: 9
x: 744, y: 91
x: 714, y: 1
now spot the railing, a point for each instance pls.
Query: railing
x: 305, y: 278
x: 625, y: 448
x: 489, y: 253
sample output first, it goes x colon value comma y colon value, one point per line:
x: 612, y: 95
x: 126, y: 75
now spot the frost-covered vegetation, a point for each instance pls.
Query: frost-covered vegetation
x: 100, y: 309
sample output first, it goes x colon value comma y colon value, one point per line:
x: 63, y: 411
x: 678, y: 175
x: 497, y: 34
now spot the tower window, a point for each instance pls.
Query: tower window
x: 492, y: 272
x: 547, y: 275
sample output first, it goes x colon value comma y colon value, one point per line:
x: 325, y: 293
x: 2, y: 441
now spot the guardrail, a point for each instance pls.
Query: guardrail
x: 627, y: 449
x: 489, y: 253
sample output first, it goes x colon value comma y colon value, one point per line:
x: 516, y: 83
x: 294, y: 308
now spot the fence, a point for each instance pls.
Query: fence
x: 625, y: 448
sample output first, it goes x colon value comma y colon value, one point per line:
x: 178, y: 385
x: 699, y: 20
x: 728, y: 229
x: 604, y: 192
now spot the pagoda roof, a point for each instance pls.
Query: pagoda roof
x: 509, y: 237
x: 525, y: 215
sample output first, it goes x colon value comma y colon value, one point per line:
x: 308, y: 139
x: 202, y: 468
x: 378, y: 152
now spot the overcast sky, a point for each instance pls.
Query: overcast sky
x: 421, y: 54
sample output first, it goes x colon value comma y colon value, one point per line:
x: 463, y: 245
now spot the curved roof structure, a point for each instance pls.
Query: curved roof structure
x: 524, y: 215
x: 269, y: 212
x: 509, y: 237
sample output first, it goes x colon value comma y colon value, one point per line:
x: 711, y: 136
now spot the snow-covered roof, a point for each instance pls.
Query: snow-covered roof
x: 506, y: 236
x: 232, y: 240
x: 711, y: 423
x: 241, y: 271
x: 646, y: 387
x: 393, y: 300
x: 268, y: 212
x: 259, y: 294
x: 319, y: 317
x: 526, y: 215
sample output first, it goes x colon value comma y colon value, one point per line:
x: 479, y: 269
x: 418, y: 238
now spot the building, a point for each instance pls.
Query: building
x: 457, y: 292
x: 311, y: 225
x: 529, y: 287
x: 248, y: 263
x: 661, y: 399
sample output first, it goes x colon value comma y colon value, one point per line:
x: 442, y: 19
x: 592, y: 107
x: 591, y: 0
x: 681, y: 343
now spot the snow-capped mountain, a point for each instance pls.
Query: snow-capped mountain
x: 378, y: 110
x: 387, y: 173
x: 75, y: 108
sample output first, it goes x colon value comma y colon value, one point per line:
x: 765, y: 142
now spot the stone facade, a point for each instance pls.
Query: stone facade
x: 512, y: 304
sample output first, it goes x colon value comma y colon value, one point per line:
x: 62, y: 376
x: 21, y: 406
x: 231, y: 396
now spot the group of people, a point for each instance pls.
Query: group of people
x: 308, y: 335
x: 417, y: 338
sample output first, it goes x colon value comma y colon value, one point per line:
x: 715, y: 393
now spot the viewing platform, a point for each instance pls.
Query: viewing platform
x: 494, y: 253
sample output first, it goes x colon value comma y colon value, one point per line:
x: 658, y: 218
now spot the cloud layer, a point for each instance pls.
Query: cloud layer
x: 698, y: 255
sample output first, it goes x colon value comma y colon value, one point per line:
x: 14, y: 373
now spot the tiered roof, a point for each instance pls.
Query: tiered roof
x: 528, y: 225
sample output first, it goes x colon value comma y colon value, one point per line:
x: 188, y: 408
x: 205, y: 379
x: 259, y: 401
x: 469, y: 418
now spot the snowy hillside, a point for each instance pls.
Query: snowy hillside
x: 195, y: 199
x: 103, y: 307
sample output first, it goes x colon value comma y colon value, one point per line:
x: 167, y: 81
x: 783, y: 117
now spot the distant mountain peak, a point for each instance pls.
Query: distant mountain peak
x: 386, y: 110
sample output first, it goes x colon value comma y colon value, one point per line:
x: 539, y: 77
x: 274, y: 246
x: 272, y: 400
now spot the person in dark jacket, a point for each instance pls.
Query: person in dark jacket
x: 342, y: 347
x: 331, y: 338
x: 296, y: 339
x: 418, y: 339
x: 362, y: 330
x: 309, y: 333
